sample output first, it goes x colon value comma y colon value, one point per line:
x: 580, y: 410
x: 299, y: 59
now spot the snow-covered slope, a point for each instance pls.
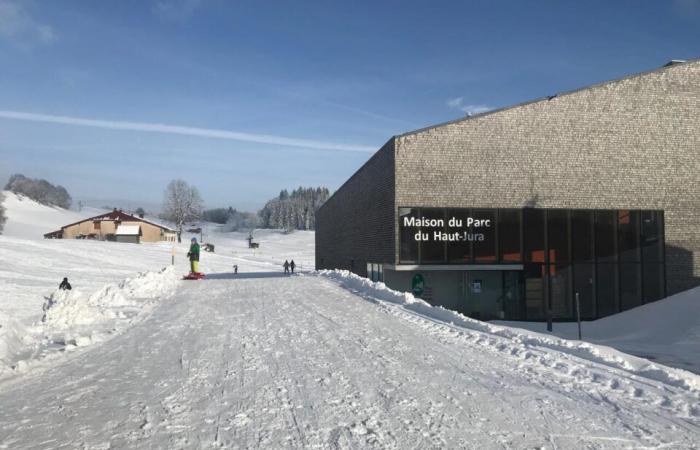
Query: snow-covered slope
x: 666, y: 331
x: 28, y: 219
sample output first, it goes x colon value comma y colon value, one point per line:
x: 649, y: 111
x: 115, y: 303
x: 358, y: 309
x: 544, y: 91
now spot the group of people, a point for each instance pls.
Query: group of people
x: 288, y: 265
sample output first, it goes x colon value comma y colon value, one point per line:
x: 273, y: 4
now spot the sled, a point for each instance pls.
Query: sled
x: 194, y: 276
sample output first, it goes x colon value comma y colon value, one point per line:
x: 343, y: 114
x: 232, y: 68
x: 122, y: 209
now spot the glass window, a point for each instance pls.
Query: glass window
x: 558, y: 235
x: 605, y: 236
x: 606, y: 289
x: 560, y: 291
x: 460, y: 251
x: 369, y: 271
x: 534, y: 291
x: 533, y: 234
x: 584, y: 286
x: 433, y: 249
x: 582, y: 235
x: 653, y: 280
x: 630, y: 286
x: 628, y: 235
x: 652, y: 237
x: 513, y: 305
x: 408, y: 246
x: 381, y: 273
x: 484, y: 226
x: 509, y: 234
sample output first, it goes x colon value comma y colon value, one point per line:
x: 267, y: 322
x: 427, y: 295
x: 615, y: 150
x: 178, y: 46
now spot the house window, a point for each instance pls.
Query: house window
x: 97, y: 224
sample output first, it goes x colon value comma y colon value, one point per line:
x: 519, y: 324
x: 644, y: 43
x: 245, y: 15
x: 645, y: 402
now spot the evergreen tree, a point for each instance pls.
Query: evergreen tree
x: 295, y: 211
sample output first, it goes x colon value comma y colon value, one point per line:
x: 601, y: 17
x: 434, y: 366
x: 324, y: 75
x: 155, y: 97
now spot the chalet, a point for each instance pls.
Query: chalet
x: 115, y: 226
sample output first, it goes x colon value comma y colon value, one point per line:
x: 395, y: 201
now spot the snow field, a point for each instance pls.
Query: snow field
x: 274, y: 361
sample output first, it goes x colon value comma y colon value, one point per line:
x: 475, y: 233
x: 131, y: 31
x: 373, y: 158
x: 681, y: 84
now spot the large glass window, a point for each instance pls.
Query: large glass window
x: 560, y: 291
x: 433, y: 249
x: 509, y: 232
x: 408, y: 246
x: 628, y: 235
x: 582, y: 235
x: 533, y: 234
x: 605, y: 236
x: 584, y: 286
x: 558, y: 235
x: 484, y: 226
x: 534, y: 291
x: 606, y: 289
x: 630, y: 286
x: 652, y: 238
x: 460, y: 251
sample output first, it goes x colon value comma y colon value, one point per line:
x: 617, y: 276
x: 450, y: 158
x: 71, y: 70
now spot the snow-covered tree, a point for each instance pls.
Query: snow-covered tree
x: 295, y: 211
x: 39, y: 190
x: 182, y: 204
x: 2, y: 213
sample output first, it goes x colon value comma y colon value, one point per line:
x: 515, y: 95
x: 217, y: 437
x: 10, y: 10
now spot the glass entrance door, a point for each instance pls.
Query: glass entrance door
x: 484, y: 294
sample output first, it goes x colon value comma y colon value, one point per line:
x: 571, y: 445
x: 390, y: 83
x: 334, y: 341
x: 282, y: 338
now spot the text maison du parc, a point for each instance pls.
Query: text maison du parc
x: 471, y: 233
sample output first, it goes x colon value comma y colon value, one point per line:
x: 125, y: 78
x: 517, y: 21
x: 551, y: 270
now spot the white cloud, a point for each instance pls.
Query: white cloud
x: 455, y: 102
x: 187, y: 131
x: 20, y: 28
x: 175, y: 10
x: 467, y: 108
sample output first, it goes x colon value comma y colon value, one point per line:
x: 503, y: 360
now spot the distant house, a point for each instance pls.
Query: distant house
x: 115, y: 226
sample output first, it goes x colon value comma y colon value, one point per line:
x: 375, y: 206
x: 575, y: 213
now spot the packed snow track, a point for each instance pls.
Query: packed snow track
x: 270, y: 361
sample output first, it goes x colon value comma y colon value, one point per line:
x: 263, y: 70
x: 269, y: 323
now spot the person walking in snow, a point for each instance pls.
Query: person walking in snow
x: 65, y: 285
x: 193, y: 254
x: 286, y: 266
x: 292, y: 266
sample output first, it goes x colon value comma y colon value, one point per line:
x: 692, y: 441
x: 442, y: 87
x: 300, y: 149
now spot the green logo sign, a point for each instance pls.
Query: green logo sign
x: 418, y: 285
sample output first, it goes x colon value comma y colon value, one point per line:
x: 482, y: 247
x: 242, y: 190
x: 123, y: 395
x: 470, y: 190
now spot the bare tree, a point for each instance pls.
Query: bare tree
x: 182, y: 204
x: 2, y: 213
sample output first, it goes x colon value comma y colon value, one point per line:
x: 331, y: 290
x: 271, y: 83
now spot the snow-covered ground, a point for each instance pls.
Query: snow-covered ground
x: 322, y: 360
x: 667, y: 331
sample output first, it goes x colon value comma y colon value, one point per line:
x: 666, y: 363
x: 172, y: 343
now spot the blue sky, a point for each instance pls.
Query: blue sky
x: 244, y: 98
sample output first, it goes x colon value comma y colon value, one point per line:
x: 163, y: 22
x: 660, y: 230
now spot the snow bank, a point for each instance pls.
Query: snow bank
x: 75, y: 319
x: 666, y: 331
x: 12, y: 340
x: 69, y: 308
x: 524, y: 340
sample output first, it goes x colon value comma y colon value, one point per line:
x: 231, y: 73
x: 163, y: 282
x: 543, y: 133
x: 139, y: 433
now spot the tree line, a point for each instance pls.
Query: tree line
x: 295, y: 211
x: 39, y: 190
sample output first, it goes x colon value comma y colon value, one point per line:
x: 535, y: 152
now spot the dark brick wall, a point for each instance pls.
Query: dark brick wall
x: 632, y: 143
x: 357, y: 222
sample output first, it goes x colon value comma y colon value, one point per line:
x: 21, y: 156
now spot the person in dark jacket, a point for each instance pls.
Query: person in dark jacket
x: 65, y: 285
x: 286, y: 266
x: 292, y: 266
x: 193, y: 254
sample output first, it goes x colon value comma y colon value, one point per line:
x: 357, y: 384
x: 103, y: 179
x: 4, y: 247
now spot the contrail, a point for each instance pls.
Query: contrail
x: 188, y: 131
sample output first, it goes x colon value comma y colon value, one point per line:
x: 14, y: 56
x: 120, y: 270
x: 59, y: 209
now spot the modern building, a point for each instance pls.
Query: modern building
x: 115, y: 226
x: 513, y: 214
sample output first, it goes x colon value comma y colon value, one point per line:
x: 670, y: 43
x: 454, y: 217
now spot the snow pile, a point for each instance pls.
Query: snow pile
x: 70, y: 308
x: 525, y: 341
x: 666, y: 331
x: 12, y: 340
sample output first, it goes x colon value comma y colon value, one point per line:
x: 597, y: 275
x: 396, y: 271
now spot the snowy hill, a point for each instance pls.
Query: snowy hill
x: 28, y: 219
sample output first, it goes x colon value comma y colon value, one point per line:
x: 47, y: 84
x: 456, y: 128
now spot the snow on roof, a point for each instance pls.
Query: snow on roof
x: 128, y: 230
